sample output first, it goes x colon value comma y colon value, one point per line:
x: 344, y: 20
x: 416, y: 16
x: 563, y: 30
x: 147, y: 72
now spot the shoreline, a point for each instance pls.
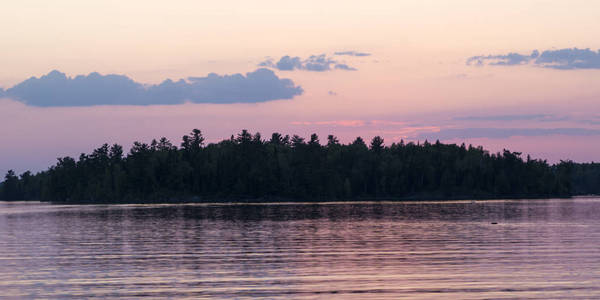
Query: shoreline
x: 241, y: 201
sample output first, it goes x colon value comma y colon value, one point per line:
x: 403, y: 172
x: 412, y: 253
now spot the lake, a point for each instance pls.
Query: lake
x: 539, y: 249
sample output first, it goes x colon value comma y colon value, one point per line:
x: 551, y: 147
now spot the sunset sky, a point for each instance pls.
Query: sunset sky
x: 522, y: 75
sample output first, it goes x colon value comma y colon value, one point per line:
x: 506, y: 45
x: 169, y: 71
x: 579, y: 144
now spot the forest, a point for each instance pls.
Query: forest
x: 248, y: 167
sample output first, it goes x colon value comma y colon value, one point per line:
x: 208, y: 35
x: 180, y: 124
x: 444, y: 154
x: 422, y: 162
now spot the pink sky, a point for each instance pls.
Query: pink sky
x: 415, y: 83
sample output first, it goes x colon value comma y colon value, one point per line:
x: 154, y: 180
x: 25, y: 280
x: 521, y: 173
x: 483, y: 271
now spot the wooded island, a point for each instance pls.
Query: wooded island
x: 247, y: 167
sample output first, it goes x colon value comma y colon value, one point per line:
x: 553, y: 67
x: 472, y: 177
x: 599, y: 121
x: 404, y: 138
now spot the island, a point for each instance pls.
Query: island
x: 248, y: 167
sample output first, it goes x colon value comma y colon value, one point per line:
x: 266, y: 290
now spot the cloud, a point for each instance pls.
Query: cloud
x: 285, y: 63
x: 566, y: 59
x: 342, y: 123
x: 314, y: 63
x: 56, y: 89
x: 561, y: 59
x: 344, y: 67
x: 510, y: 59
x: 352, y: 53
x: 387, y: 123
x: 332, y: 93
x: 592, y: 120
x: 500, y: 133
x: 318, y: 63
x: 516, y: 117
x: 372, y: 124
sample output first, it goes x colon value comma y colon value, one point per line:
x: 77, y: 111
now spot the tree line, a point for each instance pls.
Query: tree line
x: 247, y: 166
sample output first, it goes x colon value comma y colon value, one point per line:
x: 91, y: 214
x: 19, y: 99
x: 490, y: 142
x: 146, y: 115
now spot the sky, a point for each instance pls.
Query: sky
x: 522, y: 75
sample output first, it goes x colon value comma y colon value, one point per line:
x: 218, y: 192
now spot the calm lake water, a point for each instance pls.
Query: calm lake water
x: 540, y: 249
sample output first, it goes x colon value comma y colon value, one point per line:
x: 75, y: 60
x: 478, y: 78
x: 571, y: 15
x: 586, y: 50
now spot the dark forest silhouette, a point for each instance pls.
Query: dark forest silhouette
x: 248, y: 167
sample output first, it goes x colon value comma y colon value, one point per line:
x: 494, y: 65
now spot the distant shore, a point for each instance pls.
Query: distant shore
x: 275, y: 200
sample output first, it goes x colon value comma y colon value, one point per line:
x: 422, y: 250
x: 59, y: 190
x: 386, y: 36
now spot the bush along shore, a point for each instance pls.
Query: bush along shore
x: 248, y: 167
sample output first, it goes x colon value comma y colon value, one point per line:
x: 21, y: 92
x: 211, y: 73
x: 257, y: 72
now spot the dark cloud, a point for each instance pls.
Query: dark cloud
x: 562, y: 59
x: 352, y: 53
x: 56, y: 89
x: 499, y: 133
x: 567, y: 59
x: 314, y: 63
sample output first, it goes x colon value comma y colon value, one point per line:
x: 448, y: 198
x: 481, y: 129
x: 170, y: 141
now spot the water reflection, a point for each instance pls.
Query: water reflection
x: 539, y: 249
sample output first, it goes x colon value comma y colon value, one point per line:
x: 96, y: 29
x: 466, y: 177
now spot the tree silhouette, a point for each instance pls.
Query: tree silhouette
x: 247, y: 167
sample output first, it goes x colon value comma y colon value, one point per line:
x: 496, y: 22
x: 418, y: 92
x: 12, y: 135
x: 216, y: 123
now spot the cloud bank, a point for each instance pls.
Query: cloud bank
x: 314, y: 63
x: 501, y: 133
x: 515, y: 117
x: 561, y: 59
x: 56, y: 89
